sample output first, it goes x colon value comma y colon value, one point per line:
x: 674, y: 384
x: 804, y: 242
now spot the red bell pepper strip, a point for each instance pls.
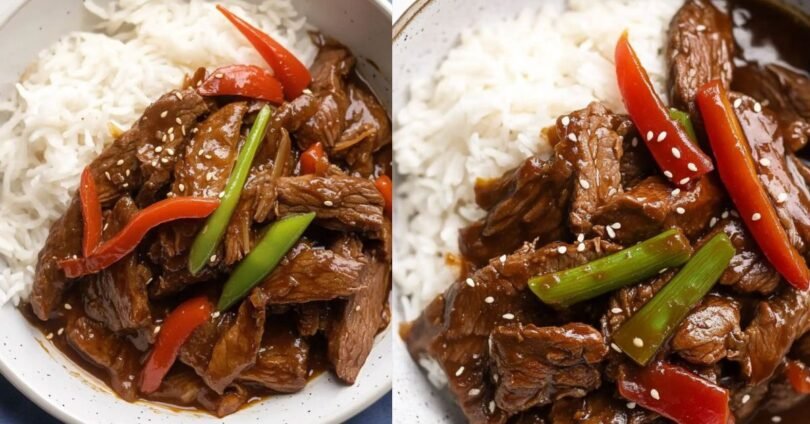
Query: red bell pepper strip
x: 799, y: 376
x: 676, y: 394
x: 91, y: 212
x: 385, y: 186
x: 176, y: 329
x: 128, y: 238
x: 243, y: 80
x: 681, y: 160
x: 314, y: 160
x: 294, y: 76
x: 738, y: 173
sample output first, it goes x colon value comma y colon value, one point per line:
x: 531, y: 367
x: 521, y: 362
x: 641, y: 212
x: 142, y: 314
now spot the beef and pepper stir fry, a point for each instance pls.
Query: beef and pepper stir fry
x: 234, y: 242
x: 653, y: 268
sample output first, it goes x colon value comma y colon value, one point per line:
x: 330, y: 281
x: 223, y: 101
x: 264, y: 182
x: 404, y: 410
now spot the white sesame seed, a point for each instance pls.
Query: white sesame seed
x: 676, y: 153
x: 781, y: 198
x: 127, y: 172
x: 616, y: 225
x: 179, y: 95
x: 170, y: 151
x: 610, y: 232
x: 181, y: 187
x: 208, y: 157
x: 680, y: 210
x: 171, y: 137
x: 221, y: 195
x: 213, y: 258
x: 357, y: 308
x: 120, y: 162
x: 631, y: 405
x: 572, y: 137
x: 765, y: 162
x: 668, y: 174
x: 157, y: 329
x: 580, y: 237
x: 158, y: 149
x: 502, y: 259
x: 200, y: 153
x: 655, y: 395
x: 68, y: 307
x: 756, y: 216
x: 164, y: 113
x: 713, y: 221
x: 125, y: 185
x: 165, y: 138
x: 581, y: 247
x: 776, y: 419
x: 470, y: 282
x: 474, y: 392
x: 612, y: 191
x: 737, y: 103
x: 565, y: 121
x: 460, y: 371
x: 757, y: 107
x: 662, y: 270
x: 637, y: 342
x: 649, y: 135
x: 209, y: 176
x: 491, y: 406
x: 61, y: 330
x: 508, y: 316
x: 489, y: 299
x: 584, y: 183
x: 49, y: 336
x: 724, y: 215
x: 178, y: 120
x: 684, y: 181
x: 700, y: 28
x: 616, y: 347
x: 215, y: 315
x: 662, y: 136
x: 746, y: 398
x: 218, y: 75
x: 328, y: 203
x: 692, y: 167
x: 562, y: 249
x: 676, y: 192
x: 617, y: 310
x: 164, y: 160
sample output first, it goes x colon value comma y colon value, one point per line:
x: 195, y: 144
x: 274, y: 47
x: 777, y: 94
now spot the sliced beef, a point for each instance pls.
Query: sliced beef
x: 171, y: 281
x: 708, y: 332
x: 628, y: 300
x: 778, y: 173
x: 196, y: 351
x: 117, y: 295
x: 367, y: 130
x: 237, y: 347
x: 653, y: 206
x: 309, y: 273
x: 785, y: 91
x: 185, y: 388
x: 700, y: 48
x: 313, y: 318
x: 282, y: 363
x: 450, y: 338
x: 591, y: 140
x: 777, y: 323
x: 64, y: 239
x: 533, y: 366
x: 341, y: 202
x: 104, y: 349
x: 351, y: 336
x: 637, y: 163
x: 225, y: 403
x: 599, y: 407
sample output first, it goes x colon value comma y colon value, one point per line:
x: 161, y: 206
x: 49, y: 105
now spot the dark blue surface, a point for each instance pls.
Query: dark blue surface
x: 16, y: 408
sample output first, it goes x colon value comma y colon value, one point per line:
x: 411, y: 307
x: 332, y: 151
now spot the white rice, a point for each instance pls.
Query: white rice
x: 58, y: 119
x: 481, y: 113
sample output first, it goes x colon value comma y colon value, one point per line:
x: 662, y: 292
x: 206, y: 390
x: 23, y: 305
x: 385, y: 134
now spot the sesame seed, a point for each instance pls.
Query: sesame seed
x: 684, y: 180
x: 171, y: 130
x: 662, y: 136
x: 649, y: 135
x: 213, y: 258
x: 565, y: 121
x: 584, y: 183
x: 746, y: 398
x: 680, y: 210
x: 676, y: 153
x: 209, y: 176
x: 221, y: 195
x: 572, y: 137
x: 580, y: 237
x: 668, y: 174
x: 200, y: 153
x: 612, y: 191
x: 179, y: 95
x: 328, y: 203
x: 170, y: 151
x: 178, y: 120
x: 724, y: 215
x: 107, y: 175
x: 471, y: 282
x: 634, y: 143
x: 164, y: 113
x: 616, y: 225
x: 61, y: 330
x: 68, y: 307
x: 171, y: 137
x: 165, y: 138
x: 49, y: 336
x: 713, y: 221
x: 637, y: 342
x: 616, y: 347
x: 474, y: 392
x: 491, y: 406
x: 208, y: 157
x: 125, y: 185
x: 756, y: 217
x: 127, y: 172
x: 120, y: 162
x: 581, y: 247
x: 765, y: 162
x: 157, y: 329
x: 692, y: 167
x: 655, y: 395
x: 676, y: 192
x: 508, y: 316
x: 700, y: 28
x: 460, y: 371
x: 662, y: 270
x: 502, y: 259
x: 757, y: 107
x: 776, y: 419
x: 164, y: 160
x: 218, y: 75
x: 610, y: 232
x: 781, y: 198
x: 181, y: 187
x: 631, y: 405
x: 183, y: 130
x: 489, y: 299
x: 737, y: 103
x: 158, y: 149
x: 562, y: 249
x: 617, y: 310
x: 357, y: 308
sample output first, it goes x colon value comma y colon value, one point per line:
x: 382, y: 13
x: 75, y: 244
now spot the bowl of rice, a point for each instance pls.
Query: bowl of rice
x: 78, y: 72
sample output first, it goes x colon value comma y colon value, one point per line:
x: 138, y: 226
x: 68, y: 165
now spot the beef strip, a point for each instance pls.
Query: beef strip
x: 653, y: 206
x: 309, y: 273
x: 451, y: 336
x: 104, y: 349
x: 591, y: 140
x: 282, y: 363
x: 313, y: 318
x: 237, y: 347
x: 700, y: 48
x: 341, y: 202
x: 351, y: 334
x: 173, y: 118
x: 534, y: 366
x: 628, y: 300
x: 117, y: 295
x: 777, y: 323
x: 367, y: 130
x: 225, y: 403
x: 777, y: 172
x: 599, y: 407
x: 706, y: 334
x: 636, y: 163
x: 185, y: 388
x: 785, y: 91
x: 196, y: 351
x: 171, y: 281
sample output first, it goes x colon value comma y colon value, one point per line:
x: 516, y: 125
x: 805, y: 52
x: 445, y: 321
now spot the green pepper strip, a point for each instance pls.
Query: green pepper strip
x: 644, y: 333
x: 208, y: 239
x: 686, y: 122
x: 565, y: 288
x: 279, y: 238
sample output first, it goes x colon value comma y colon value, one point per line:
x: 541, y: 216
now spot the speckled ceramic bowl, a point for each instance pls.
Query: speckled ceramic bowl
x: 70, y: 394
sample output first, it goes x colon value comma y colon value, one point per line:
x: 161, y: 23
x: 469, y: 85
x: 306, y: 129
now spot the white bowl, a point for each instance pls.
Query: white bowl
x: 72, y: 395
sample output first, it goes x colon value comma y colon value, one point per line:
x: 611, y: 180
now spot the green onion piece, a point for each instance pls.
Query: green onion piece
x: 644, y: 333
x: 565, y: 288
x: 209, y: 238
x: 685, y: 121
x: 279, y: 238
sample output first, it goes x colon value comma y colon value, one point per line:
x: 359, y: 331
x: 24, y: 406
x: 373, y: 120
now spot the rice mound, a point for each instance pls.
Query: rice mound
x: 60, y: 117
x: 481, y: 113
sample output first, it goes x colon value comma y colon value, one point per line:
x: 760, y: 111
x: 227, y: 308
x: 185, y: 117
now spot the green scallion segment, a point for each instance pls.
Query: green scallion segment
x: 279, y: 238
x: 565, y: 288
x: 206, y: 242
x: 685, y: 121
x: 644, y: 333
